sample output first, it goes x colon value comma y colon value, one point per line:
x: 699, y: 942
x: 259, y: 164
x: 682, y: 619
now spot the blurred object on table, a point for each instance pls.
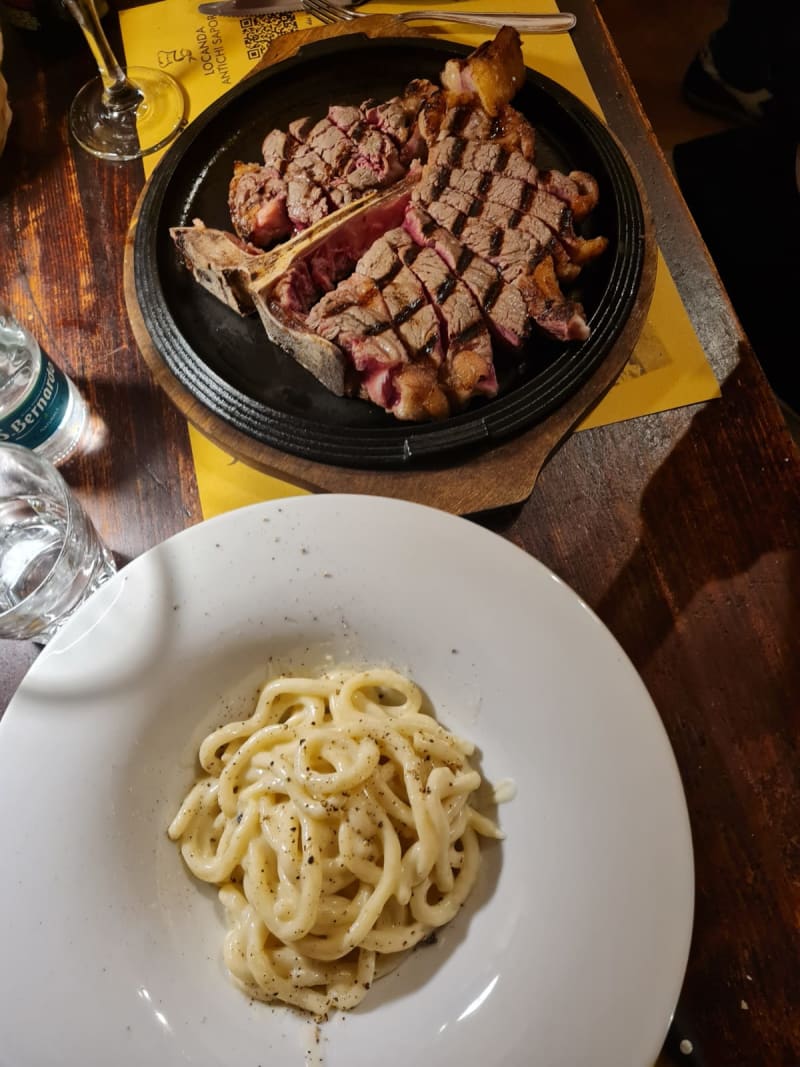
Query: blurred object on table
x: 657, y: 42
x: 754, y: 253
x: 5, y: 110
x: 661, y: 45
x: 747, y: 72
x: 43, y: 25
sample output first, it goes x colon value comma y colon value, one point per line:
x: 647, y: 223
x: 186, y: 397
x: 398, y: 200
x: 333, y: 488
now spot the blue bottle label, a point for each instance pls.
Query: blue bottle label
x: 41, y: 412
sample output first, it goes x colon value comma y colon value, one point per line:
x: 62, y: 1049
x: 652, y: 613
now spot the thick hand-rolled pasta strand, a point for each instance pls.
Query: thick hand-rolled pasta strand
x: 337, y: 823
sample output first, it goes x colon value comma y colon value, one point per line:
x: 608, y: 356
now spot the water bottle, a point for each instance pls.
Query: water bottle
x: 40, y: 407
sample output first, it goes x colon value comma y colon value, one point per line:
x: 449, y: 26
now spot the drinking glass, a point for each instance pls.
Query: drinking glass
x: 51, y: 557
x: 123, y: 113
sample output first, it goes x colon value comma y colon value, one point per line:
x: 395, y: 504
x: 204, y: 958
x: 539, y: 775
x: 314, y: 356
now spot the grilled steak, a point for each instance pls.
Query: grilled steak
x: 405, y: 296
x: 257, y: 203
x: 468, y: 369
x: 311, y: 169
x: 522, y: 262
x: 413, y: 317
x: 503, y: 305
x: 577, y: 189
x: 355, y: 315
x: 494, y: 72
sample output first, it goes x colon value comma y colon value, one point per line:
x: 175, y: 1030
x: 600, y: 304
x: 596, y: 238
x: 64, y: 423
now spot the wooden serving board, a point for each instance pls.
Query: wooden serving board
x: 501, y: 475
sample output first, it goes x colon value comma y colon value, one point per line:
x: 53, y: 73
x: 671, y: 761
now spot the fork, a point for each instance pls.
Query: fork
x: 562, y: 23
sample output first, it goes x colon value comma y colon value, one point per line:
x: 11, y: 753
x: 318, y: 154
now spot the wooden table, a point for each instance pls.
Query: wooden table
x: 682, y: 530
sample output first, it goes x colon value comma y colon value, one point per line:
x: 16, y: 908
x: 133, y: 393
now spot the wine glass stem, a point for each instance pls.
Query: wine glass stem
x: 119, y: 93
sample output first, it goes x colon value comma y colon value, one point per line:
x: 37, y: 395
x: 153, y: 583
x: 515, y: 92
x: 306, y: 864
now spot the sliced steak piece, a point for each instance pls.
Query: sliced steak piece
x: 353, y: 144
x: 332, y: 145
x: 355, y: 317
x: 515, y: 183
x: 300, y: 127
x: 467, y: 120
x: 578, y: 190
x: 446, y: 118
x: 555, y: 315
x: 344, y: 115
x: 306, y: 200
x: 503, y: 305
x: 499, y: 215
x: 512, y: 193
x: 499, y: 176
x: 513, y: 252
x: 316, y: 157
x: 412, y: 315
x: 530, y: 204
x: 277, y: 149
x: 285, y: 282
x: 370, y: 148
x: 376, y: 151
x: 480, y: 155
x: 310, y: 171
x: 319, y: 268
x: 494, y: 72
x: 468, y: 369
x: 398, y: 118
x: 257, y: 204
x: 524, y: 265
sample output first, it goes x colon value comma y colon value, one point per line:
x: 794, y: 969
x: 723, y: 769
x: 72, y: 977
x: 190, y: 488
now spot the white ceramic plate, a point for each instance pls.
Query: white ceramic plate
x: 571, y: 950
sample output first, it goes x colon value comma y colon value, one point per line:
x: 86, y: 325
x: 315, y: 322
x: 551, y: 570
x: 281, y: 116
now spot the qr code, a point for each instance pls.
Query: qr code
x: 259, y: 31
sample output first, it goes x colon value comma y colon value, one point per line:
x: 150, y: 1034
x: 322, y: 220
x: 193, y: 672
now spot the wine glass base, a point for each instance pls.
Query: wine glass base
x: 130, y: 132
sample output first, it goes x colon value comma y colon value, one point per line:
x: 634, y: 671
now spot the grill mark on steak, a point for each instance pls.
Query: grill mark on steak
x: 444, y: 291
x: 377, y: 328
x: 497, y: 215
x: 468, y: 369
x: 408, y: 312
x: 313, y: 168
x: 412, y: 315
x: 531, y: 208
x: 503, y: 305
x: 578, y: 190
x: 356, y: 317
x: 535, y: 280
x: 514, y: 252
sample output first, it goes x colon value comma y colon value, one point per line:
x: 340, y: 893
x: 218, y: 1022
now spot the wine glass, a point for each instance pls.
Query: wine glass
x: 122, y: 114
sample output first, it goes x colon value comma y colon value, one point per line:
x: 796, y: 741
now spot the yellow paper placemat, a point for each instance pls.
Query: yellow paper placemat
x: 208, y: 55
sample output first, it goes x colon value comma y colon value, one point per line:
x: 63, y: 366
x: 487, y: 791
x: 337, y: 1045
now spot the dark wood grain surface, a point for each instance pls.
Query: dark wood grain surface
x: 682, y: 530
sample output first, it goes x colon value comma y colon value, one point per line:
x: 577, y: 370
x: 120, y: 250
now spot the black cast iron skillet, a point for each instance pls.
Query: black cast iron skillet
x: 229, y: 364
